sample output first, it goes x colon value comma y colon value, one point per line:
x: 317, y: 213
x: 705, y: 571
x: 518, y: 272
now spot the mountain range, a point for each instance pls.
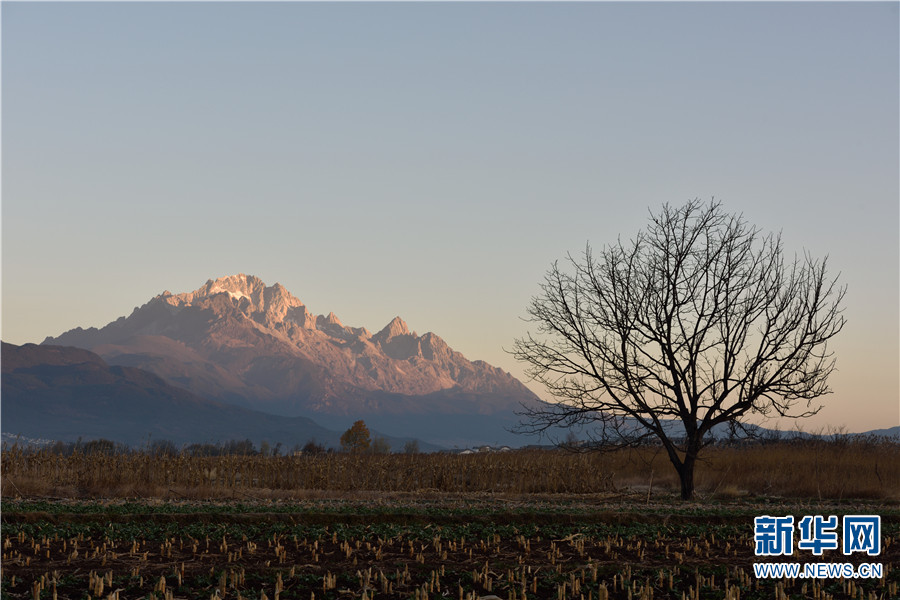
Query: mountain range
x: 238, y: 359
x: 237, y: 341
x: 64, y: 393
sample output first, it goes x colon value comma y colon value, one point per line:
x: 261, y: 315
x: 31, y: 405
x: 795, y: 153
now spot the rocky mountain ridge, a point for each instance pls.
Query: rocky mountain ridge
x: 235, y: 339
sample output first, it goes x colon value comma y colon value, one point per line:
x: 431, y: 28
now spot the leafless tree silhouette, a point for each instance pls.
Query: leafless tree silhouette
x: 698, y: 320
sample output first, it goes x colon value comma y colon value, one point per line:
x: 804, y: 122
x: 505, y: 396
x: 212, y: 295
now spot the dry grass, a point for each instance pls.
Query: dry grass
x: 45, y: 473
x: 848, y: 469
x: 811, y: 469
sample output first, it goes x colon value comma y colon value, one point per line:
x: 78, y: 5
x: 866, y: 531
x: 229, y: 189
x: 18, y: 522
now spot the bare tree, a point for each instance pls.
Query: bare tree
x: 698, y: 320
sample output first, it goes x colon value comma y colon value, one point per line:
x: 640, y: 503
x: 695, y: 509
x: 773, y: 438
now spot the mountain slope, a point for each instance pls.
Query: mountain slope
x: 237, y: 340
x: 64, y: 393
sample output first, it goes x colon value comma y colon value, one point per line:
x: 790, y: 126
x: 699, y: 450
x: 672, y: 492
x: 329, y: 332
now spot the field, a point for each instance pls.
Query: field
x: 545, y: 525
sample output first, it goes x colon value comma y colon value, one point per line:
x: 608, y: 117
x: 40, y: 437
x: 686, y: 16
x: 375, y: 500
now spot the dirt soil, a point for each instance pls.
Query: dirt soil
x: 401, y: 554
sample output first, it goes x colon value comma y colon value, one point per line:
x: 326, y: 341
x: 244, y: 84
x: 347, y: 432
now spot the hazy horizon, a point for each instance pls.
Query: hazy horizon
x: 432, y: 160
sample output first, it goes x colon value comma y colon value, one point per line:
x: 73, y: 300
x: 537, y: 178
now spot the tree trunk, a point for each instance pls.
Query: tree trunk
x: 686, y: 474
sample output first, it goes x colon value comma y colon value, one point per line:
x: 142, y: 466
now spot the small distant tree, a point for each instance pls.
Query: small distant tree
x: 61, y: 448
x: 312, y: 447
x: 381, y: 446
x: 572, y: 442
x: 205, y: 449
x: 163, y: 448
x: 357, y: 438
x: 239, y: 448
x: 411, y: 447
x: 101, y: 446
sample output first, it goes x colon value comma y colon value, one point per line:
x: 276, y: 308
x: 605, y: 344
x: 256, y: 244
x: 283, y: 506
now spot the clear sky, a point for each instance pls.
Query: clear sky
x: 431, y: 160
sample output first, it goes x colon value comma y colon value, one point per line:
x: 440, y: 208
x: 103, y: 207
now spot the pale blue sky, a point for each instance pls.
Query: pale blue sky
x: 431, y: 160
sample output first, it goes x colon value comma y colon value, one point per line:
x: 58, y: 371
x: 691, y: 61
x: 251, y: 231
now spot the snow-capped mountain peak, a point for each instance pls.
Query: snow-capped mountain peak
x: 235, y: 337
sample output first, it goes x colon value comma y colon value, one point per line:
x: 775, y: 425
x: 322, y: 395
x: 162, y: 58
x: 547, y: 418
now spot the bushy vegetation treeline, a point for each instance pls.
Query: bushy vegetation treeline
x: 839, y: 467
x: 244, y: 447
x: 356, y: 439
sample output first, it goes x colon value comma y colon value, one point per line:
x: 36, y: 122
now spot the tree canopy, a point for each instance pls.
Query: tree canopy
x: 356, y: 438
x: 700, y: 319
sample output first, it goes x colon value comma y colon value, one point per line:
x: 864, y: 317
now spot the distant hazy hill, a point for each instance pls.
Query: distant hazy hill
x: 239, y: 341
x: 891, y: 432
x: 63, y: 393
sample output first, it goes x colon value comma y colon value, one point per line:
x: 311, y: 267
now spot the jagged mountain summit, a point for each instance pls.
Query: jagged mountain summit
x: 237, y: 340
